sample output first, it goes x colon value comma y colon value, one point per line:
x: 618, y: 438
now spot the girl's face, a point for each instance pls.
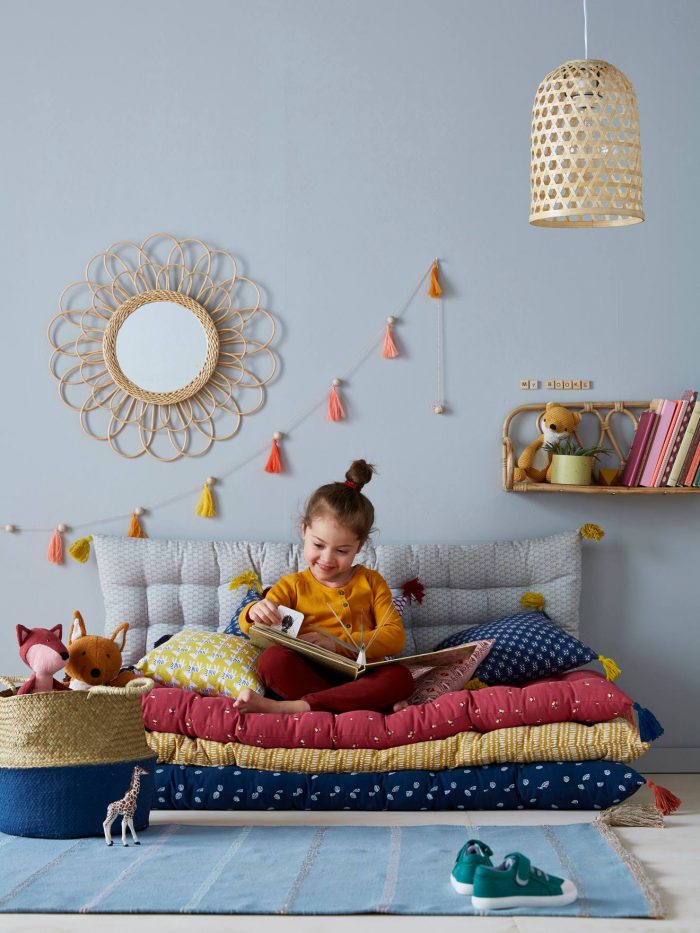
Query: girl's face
x: 329, y: 550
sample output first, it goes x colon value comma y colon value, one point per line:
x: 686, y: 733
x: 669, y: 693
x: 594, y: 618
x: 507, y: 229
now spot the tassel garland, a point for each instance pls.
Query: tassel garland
x: 533, y: 601
x: 389, y: 349
x: 274, y: 462
x: 55, y: 552
x: 80, y: 549
x: 665, y: 801
x: 649, y: 726
x: 592, y: 532
x: 335, y: 406
x: 135, y: 529
x: 435, y: 289
x: 612, y: 671
x: 206, y: 507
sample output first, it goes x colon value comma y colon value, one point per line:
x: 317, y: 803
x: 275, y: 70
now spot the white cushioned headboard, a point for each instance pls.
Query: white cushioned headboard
x: 160, y: 587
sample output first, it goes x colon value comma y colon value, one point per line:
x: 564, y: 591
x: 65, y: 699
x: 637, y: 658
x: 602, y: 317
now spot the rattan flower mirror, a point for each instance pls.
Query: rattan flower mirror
x: 162, y: 348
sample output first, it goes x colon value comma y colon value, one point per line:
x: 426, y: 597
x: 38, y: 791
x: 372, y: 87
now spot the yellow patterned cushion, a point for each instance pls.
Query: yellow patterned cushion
x: 211, y: 663
x: 558, y: 741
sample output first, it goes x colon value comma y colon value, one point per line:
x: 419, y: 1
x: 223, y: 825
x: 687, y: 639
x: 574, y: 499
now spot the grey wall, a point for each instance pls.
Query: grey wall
x: 336, y: 148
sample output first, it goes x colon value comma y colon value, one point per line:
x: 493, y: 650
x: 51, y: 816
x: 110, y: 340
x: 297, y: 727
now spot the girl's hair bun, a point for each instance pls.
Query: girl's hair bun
x: 360, y: 473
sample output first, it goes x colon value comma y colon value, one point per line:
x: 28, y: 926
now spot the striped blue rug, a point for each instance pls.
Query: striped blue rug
x: 308, y: 870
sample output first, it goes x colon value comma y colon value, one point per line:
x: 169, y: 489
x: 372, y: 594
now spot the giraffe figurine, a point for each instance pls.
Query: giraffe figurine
x: 126, y: 807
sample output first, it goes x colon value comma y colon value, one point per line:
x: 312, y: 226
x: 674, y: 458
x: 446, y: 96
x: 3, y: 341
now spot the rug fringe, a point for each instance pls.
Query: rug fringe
x: 626, y: 814
x: 649, y: 889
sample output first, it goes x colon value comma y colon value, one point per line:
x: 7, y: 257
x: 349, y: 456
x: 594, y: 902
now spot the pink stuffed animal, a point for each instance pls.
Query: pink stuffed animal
x: 42, y: 650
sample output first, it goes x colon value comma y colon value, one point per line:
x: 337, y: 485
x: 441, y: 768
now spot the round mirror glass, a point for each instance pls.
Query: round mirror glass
x: 161, y: 346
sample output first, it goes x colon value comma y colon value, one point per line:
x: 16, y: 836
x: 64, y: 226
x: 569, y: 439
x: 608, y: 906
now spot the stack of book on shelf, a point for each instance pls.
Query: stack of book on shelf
x: 666, y: 446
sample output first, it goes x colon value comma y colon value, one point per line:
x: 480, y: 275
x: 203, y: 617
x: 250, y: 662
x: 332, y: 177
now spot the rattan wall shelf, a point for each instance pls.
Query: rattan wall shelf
x: 604, y: 413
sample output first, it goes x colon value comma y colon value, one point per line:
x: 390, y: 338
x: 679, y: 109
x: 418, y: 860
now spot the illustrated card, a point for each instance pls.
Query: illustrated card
x: 290, y: 621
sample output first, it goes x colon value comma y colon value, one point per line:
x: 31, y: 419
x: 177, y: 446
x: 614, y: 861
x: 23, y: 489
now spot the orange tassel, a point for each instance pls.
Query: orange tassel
x: 135, y: 529
x: 435, y: 289
x: 389, y: 350
x: 666, y: 802
x: 274, y: 462
x: 335, y: 407
x: 55, y: 552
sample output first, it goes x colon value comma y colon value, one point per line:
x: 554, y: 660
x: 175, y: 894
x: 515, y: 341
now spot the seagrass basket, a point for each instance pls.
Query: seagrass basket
x: 66, y: 755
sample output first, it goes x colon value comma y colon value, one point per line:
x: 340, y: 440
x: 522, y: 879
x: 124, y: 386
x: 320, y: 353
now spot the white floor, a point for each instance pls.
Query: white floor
x: 671, y: 857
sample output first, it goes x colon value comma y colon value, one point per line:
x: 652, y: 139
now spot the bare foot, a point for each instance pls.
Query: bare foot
x: 402, y: 704
x: 248, y: 701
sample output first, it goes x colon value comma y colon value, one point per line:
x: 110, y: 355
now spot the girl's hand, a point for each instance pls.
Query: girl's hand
x: 317, y: 639
x: 264, y: 612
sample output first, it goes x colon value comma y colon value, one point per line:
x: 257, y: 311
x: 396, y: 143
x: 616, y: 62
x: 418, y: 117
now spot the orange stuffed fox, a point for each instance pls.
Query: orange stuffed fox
x: 93, y: 659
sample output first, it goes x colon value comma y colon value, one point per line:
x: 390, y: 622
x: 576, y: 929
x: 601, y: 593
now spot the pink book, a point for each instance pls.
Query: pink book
x: 668, y: 410
x: 643, y: 437
x: 681, y: 405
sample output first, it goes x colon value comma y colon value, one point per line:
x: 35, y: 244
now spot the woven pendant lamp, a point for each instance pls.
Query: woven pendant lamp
x: 585, y: 157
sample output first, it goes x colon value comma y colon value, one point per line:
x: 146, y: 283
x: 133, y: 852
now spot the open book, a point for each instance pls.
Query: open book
x: 264, y: 635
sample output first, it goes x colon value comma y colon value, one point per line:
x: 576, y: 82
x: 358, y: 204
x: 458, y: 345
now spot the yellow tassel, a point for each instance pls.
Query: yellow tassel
x: 593, y: 532
x: 612, y: 671
x: 80, y: 549
x: 532, y: 601
x: 475, y: 684
x: 205, y: 506
x: 249, y: 579
x: 135, y: 529
x: 435, y: 289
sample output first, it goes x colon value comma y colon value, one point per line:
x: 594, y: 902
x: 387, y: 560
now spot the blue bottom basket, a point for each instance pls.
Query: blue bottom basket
x: 65, y: 756
x: 70, y: 801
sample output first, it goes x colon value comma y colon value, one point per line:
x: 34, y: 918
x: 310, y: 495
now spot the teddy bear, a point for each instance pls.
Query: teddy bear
x: 93, y: 659
x: 534, y: 463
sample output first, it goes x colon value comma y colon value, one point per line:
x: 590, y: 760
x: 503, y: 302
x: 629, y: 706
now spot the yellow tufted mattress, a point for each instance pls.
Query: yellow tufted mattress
x: 617, y: 740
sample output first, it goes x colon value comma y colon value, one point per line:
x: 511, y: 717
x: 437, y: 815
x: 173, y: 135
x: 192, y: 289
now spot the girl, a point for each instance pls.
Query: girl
x: 336, y: 523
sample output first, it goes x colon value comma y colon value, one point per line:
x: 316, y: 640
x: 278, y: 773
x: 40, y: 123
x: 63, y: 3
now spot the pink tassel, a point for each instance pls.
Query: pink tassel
x: 274, y: 462
x: 335, y: 407
x: 389, y: 350
x: 55, y: 552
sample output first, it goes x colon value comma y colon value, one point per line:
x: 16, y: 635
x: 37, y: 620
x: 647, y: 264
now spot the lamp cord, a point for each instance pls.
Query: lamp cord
x: 585, y: 30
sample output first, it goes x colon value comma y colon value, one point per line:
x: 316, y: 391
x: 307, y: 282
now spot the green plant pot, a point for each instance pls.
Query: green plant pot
x: 571, y: 470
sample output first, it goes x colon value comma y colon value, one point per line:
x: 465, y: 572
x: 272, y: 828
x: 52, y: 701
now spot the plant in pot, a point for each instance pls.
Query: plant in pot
x: 572, y: 465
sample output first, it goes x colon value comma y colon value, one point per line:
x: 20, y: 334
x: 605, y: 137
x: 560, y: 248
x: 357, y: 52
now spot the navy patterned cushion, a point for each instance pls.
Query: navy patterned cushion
x: 551, y: 785
x: 526, y: 646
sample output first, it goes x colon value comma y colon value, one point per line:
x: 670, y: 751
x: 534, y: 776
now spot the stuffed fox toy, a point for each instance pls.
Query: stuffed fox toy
x: 93, y: 659
x: 42, y: 650
x: 535, y: 464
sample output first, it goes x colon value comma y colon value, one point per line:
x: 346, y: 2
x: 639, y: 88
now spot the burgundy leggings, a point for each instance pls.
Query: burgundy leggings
x: 292, y: 677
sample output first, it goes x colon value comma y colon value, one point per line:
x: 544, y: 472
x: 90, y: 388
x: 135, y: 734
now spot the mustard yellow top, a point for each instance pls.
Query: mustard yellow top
x: 366, y: 592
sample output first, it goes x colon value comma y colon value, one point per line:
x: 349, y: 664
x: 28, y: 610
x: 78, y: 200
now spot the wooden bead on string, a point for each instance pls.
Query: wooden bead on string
x: 439, y: 409
x: 10, y: 529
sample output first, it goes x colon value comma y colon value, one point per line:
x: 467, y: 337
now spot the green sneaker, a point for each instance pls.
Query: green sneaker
x: 516, y: 883
x: 471, y: 855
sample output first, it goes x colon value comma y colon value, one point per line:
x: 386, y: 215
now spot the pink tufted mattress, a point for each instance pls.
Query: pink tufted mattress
x: 578, y: 696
